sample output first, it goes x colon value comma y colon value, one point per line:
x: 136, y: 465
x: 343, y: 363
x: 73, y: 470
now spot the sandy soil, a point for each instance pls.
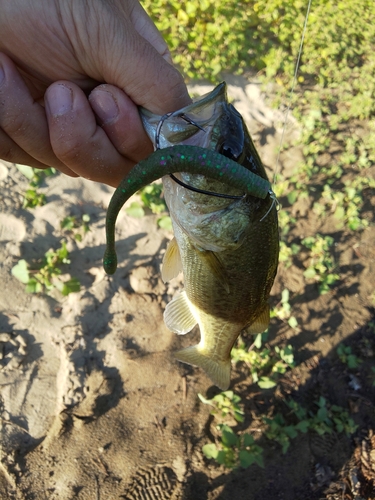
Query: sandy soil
x: 93, y: 405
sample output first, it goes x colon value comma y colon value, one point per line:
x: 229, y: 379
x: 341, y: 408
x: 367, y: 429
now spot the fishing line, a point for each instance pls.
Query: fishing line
x: 208, y: 193
x: 294, y: 82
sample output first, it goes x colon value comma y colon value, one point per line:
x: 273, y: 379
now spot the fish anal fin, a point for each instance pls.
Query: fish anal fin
x: 218, y: 371
x: 216, y: 266
x: 172, y: 264
x: 178, y: 316
x: 261, y: 322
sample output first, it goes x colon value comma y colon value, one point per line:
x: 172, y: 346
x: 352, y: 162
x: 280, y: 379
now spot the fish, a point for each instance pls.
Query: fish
x: 224, y: 218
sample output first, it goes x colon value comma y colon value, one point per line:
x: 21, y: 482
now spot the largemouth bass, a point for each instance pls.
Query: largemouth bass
x: 227, y: 247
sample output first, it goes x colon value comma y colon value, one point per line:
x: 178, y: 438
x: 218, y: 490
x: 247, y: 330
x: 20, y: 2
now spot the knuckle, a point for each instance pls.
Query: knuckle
x: 75, y: 151
x: 67, y: 151
x: 14, y: 124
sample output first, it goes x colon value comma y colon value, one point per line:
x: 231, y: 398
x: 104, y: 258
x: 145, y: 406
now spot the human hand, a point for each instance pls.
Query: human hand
x: 53, y: 54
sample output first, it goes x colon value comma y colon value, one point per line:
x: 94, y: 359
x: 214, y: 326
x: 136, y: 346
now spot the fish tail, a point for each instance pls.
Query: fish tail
x: 217, y: 370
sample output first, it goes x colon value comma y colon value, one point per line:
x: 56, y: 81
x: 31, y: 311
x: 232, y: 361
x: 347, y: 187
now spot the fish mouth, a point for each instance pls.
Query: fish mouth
x: 213, y: 123
x: 210, y: 121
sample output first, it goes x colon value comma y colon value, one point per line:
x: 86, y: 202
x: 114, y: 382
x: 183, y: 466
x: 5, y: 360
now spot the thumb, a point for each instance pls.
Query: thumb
x: 124, y: 48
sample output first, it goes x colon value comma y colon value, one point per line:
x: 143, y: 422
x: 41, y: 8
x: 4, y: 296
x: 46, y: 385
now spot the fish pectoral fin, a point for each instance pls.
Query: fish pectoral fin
x: 216, y: 266
x: 218, y: 371
x: 172, y: 264
x: 178, y: 316
x: 261, y: 323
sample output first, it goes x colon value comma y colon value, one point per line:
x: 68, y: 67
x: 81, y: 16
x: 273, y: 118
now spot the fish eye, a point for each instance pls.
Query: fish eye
x: 232, y: 153
x: 228, y: 152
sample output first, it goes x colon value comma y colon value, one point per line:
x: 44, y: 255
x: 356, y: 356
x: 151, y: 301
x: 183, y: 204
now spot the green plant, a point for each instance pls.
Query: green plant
x: 265, y: 366
x: 234, y: 451
x: 347, y: 357
x: 206, y: 37
x: 283, y: 310
x: 33, y: 199
x: 346, y: 204
x: 44, y: 277
x: 329, y: 418
x: 321, y: 263
x: 325, y: 419
x: 285, y: 222
x: 151, y: 198
x: 278, y: 431
x: 36, y: 177
x: 224, y: 404
x: 77, y: 227
x: 286, y: 253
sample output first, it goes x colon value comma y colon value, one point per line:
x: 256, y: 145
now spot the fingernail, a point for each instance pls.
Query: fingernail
x: 59, y: 100
x: 104, y: 105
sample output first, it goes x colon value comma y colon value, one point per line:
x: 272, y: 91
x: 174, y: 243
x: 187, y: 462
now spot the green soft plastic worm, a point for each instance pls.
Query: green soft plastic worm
x: 191, y: 159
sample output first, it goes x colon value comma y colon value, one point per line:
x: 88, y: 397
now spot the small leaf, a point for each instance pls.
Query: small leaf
x: 28, y: 172
x: 238, y: 415
x: 68, y: 223
x: 71, y: 286
x: 353, y: 361
x: 246, y: 458
x: 292, y: 196
x: 259, y: 458
x: 210, y: 450
x: 165, y: 222
x: 303, y: 426
x: 135, y: 210
x: 339, y: 213
x: 309, y: 273
x: 285, y: 447
x: 221, y: 457
x: 204, y: 400
x: 322, y: 413
x: 285, y: 296
x: 33, y: 286
x: 229, y: 438
x: 228, y: 394
x: 258, y: 341
x: 292, y: 322
x: 322, y: 400
x: 266, y: 383
x: 248, y: 439
x: 20, y: 271
x: 290, y: 430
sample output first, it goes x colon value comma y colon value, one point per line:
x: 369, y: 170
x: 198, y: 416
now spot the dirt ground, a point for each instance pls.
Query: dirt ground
x: 93, y: 405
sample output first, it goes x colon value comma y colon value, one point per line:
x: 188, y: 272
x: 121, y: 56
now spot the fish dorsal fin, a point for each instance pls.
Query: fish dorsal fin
x: 214, y: 263
x: 178, y: 316
x: 261, y: 323
x: 172, y: 264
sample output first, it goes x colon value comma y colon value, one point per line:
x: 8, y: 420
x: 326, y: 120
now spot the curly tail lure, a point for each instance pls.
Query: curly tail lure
x: 181, y: 158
